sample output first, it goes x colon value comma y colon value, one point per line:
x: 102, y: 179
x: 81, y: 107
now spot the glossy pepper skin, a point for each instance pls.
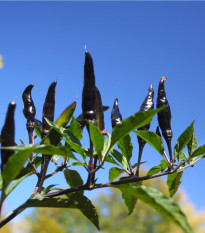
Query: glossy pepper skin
x: 99, y: 111
x: 164, y: 116
x: 89, y: 90
x: 29, y: 109
x: 48, y: 108
x: 147, y: 104
x: 8, y: 134
x: 81, y: 120
x: 116, y: 117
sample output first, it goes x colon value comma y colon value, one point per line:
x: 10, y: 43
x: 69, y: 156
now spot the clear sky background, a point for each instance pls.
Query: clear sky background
x: 132, y: 44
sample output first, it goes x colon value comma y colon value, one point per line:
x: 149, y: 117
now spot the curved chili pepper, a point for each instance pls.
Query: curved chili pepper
x: 8, y: 134
x: 89, y: 90
x: 147, y: 104
x: 158, y: 132
x: 99, y: 111
x: 29, y: 109
x: 81, y: 120
x: 164, y: 116
x: 48, y: 108
x: 116, y: 117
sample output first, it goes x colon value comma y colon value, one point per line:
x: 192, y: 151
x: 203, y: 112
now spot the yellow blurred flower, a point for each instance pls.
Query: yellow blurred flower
x: 1, y: 62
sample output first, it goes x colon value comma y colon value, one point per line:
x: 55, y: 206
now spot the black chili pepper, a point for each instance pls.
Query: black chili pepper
x: 81, y: 120
x: 89, y: 90
x: 158, y: 132
x: 164, y: 116
x: 8, y: 134
x: 116, y: 117
x: 99, y: 111
x: 147, y: 104
x: 29, y: 109
x: 48, y: 108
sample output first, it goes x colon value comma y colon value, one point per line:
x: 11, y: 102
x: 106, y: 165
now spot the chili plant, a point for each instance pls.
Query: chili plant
x: 62, y: 138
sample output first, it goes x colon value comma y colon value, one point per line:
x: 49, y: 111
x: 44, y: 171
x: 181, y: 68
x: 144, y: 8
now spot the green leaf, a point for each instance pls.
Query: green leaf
x: 45, y: 149
x: 163, y: 204
x: 86, y: 207
x: 129, y: 199
x: 119, y: 157
x: 106, y: 146
x: 29, y: 168
x: 182, y: 155
x: 73, y: 178
x: 77, y: 164
x: 126, y: 147
x: 64, y: 132
x: 66, y: 115
x: 48, y: 189
x: 37, y: 130
x: 159, y: 168
x: 192, y: 145
x: 71, y: 140
x: 75, y: 128
x: 114, y: 173
x: 199, y: 151
x: 173, y: 182
x: 74, y: 202
x: 14, y: 166
x: 183, y: 140
x: 96, y: 137
x: 153, y: 139
x: 54, y: 137
x: 137, y: 120
x: 1, y: 181
x: 11, y: 187
x: 78, y: 149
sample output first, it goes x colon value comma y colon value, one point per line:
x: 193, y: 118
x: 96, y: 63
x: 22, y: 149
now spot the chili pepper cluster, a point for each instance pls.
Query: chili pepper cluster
x: 92, y: 111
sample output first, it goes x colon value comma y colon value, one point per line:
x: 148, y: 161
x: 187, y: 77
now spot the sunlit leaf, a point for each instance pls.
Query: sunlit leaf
x: 106, y: 146
x: 54, y: 137
x: 153, y: 139
x: 137, y: 120
x: 75, y: 128
x: 199, y: 151
x: 159, y: 168
x: 119, y: 157
x: 114, y: 173
x: 125, y: 145
x: 183, y: 140
x: 45, y: 149
x: 192, y: 145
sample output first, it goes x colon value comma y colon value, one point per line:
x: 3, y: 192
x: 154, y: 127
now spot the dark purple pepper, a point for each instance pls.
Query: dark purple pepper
x: 89, y: 90
x: 99, y: 111
x: 158, y: 132
x: 8, y: 134
x: 116, y: 117
x: 147, y: 104
x: 48, y: 108
x: 29, y: 109
x: 164, y: 116
x: 81, y: 120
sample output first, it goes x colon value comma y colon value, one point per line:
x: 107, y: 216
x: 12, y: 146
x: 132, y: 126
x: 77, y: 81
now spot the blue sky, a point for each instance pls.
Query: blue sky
x: 132, y: 44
